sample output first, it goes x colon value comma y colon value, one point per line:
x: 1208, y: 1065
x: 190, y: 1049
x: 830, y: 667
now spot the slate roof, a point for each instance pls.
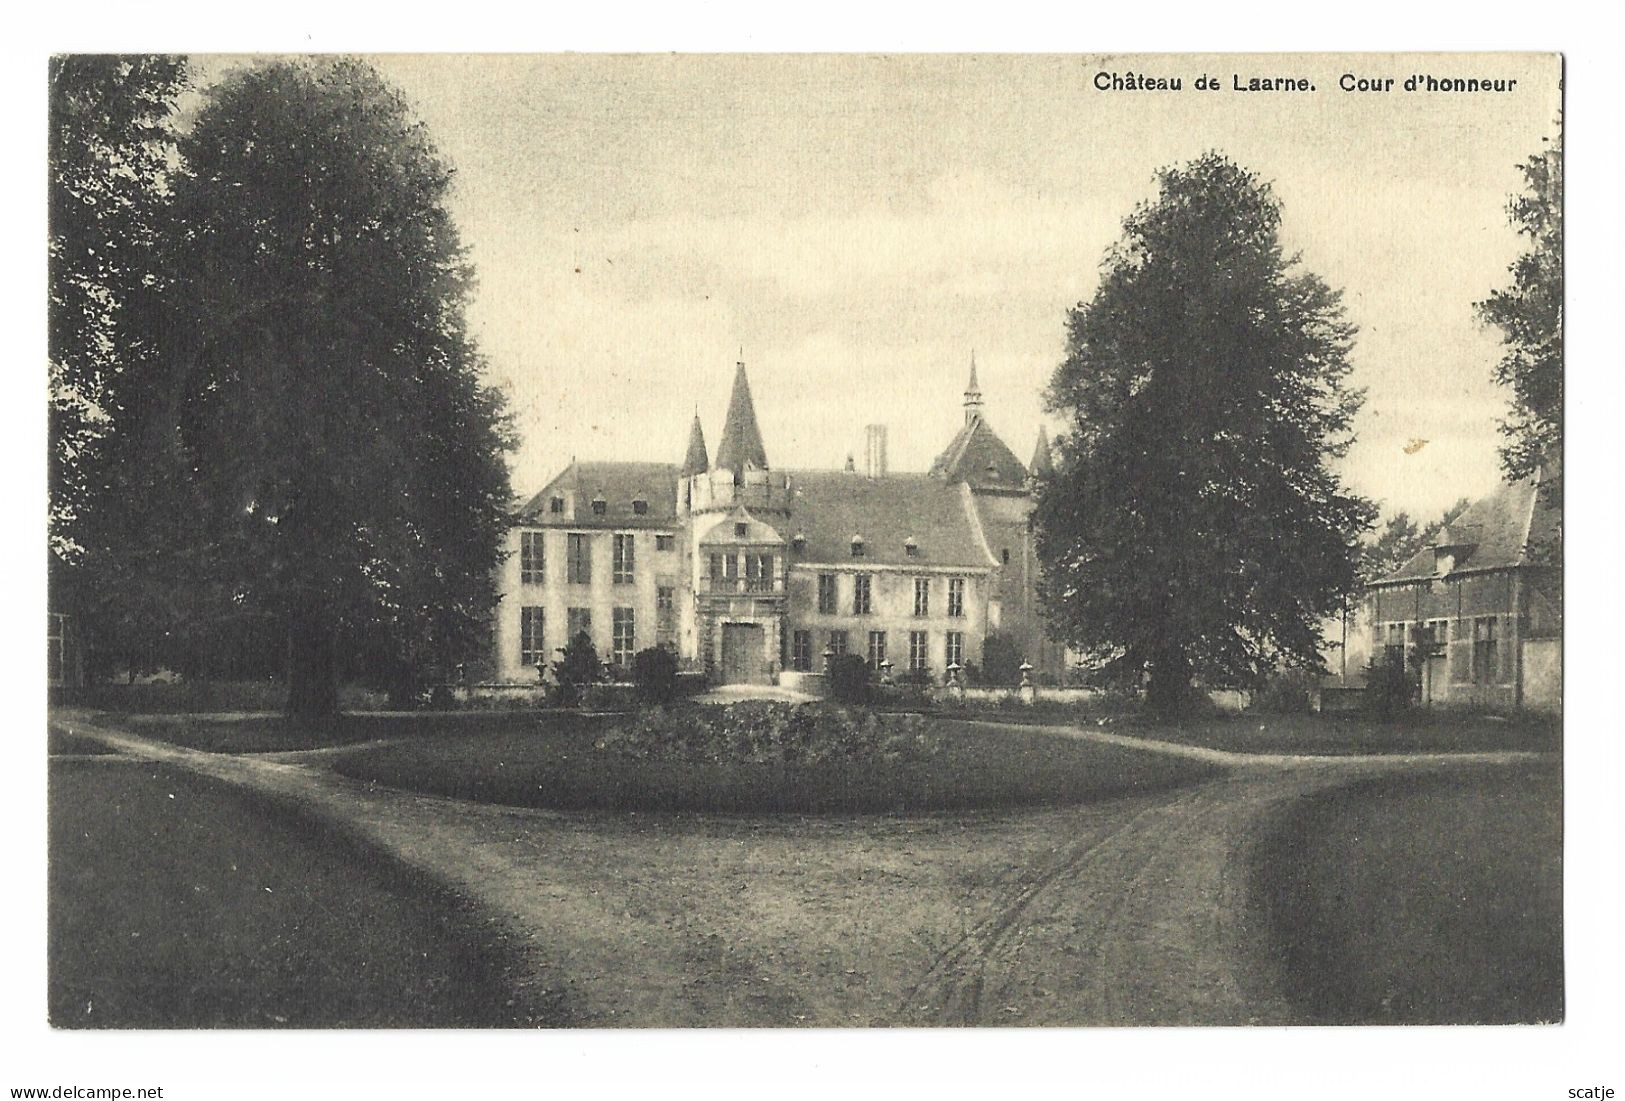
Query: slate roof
x: 741, y: 444
x: 1042, y: 463
x: 976, y: 455
x: 1497, y: 532
x: 695, y: 461
x: 619, y: 484
x: 831, y: 506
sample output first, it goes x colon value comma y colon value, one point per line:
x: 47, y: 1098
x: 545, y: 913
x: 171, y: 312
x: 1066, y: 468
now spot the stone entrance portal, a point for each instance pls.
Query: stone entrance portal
x: 743, y: 654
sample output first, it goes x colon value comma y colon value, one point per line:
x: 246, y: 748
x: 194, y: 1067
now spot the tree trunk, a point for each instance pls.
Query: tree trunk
x: 312, y: 657
x: 1168, y: 691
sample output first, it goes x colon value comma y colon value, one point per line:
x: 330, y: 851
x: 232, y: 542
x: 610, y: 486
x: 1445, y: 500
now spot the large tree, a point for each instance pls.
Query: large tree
x: 1529, y: 313
x: 110, y: 152
x: 1194, y: 527
x: 324, y: 396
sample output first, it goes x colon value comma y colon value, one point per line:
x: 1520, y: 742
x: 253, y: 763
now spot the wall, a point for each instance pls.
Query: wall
x: 1006, y: 521
x: 1543, y: 674
x: 651, y: 568
x: 891, y: 609
x: 1519, y: 605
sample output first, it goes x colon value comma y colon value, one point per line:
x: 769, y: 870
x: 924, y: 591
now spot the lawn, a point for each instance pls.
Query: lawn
x: 59, y: 741
x: 271, y: 732
x: 1430, y: 899
x: 1336, y: 734
x: 177, y: 902
x: 554, y: 764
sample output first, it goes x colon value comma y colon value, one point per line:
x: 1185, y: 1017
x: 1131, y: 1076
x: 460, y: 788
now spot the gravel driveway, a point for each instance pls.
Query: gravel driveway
x: 1128, y: 912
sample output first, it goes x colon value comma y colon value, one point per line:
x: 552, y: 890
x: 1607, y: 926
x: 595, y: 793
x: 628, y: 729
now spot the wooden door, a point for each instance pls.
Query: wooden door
x: 742, y: 653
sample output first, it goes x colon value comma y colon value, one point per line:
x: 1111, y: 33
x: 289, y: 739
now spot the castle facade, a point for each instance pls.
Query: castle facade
x: 746, y: 571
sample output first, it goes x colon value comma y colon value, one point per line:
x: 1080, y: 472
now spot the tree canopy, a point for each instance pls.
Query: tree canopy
x: 110, y: 151
x: 1529, y: 313
x: 1194, y: 526
x: 325, y: 386
x: 310, y: 473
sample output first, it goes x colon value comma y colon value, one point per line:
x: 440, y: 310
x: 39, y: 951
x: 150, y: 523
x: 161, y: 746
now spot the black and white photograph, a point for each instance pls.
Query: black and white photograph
x: 807, y: 541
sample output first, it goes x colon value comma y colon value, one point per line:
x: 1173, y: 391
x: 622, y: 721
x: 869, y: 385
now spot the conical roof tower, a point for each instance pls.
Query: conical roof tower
x: 695, y: 461
x: 1043, y: 464
x: 741, y: 445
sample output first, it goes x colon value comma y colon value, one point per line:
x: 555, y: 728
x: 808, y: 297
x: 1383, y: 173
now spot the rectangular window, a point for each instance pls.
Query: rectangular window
x: 640, y: 508
x: 580, y: 623
x: 665, y: 542
x: 956, y: 597
x: 801, y: 650
x: 532, y: 558
x: 954, y: 650
x: 625, y: 555
x: 1434, y: 637
x: 877, y: 649
x: 599, y: 506
x: 665, y: 614
x: 919, y: 657
x: 623, y: 642
x: 579, y: 559
x: 532, y: 638
x: 1485, y: 667
x: 1393, y: 650
x: 860, y: 594
x: 556, y: 505
x: 56, y: 639
x: 837, y: 642
x: 922, y: 596
x: 759, y: 573
x: 826, y: 593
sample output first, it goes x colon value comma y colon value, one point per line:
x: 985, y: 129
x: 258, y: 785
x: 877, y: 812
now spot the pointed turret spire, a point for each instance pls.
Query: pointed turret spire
x: 973, y: 393
x: 696, y: 461
x: 741, y: 445
x: 1042, y: 465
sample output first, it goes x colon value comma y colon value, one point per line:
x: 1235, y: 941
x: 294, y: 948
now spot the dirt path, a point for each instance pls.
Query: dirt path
x: 1129, y: 912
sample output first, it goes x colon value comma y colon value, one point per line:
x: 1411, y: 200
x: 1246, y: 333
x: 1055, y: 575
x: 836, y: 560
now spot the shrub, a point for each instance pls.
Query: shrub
x: 610, y: 697
x: 654, y: 671
x: 577, y: 667
x: 1286, y: 692
x: 1001, y: 659
x: 849, y: 679
x: 1390, y: 687
x: 441, y: 698
x: 764, y: 732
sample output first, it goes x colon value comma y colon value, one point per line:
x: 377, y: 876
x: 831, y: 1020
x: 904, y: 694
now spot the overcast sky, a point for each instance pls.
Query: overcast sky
x: 859, y: 225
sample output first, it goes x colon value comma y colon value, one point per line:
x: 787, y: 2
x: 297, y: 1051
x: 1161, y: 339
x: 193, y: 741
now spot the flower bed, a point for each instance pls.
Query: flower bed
x: 762, y: 732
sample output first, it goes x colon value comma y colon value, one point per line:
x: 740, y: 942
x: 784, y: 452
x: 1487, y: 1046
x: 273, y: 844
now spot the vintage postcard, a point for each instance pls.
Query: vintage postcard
x: 805, y: 541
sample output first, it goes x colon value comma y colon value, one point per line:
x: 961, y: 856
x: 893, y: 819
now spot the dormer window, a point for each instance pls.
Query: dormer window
x: 798, y: 542
x: 857, y: 546
x: 640, y: 507
x: 911, y: 548
x: 599, y: 506
x: 556, y: 505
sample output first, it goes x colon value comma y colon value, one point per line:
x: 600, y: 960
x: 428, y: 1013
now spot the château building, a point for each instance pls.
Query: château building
x: 745, y: 570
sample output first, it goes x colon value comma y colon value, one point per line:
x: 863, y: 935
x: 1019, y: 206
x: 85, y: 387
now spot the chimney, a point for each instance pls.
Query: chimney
x: 874, y: 451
